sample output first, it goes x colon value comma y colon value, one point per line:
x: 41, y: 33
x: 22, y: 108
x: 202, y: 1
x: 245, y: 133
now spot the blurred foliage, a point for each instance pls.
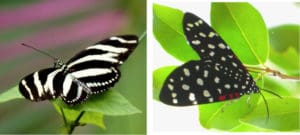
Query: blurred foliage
x: 250, y: 42
x: 78, y: 25
x: 285, y: 40
x: 14, y: 3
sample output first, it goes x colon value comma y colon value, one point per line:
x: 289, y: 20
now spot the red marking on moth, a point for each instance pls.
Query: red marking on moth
x: 237, y: 95
x: 222, y: 97
x: 231, y: 96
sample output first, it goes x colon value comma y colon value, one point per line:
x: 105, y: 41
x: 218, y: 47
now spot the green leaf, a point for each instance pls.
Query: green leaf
x: 284, y: 114
x: 109, y: 103
x: 284, y: 52
x: 168, y: 31
x: 213, y: 116
x: 244, y: 127
x: 159, y: 77
x: 243, y: 29
x: 88, y: 117
x: 281, y: 87
x: 10, y: 94
x: 288, y: 61
x: 284, y: 36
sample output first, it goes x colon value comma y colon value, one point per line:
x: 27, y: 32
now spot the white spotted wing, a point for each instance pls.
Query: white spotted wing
x: 218, y: 76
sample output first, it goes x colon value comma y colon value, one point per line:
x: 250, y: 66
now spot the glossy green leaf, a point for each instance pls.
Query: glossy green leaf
x: 87, y: 118
x: 288, y: 61
x: 168, y: 31
x: 110, y: 103
x: 284, y: 114
x: 225, y: 115
x: 284, y: 36
x: 243, y: 29
x: 10, y: 94
x: 159, y: 77
x: 244, y: 127
x: 285, y: 51
x: 280, y: 86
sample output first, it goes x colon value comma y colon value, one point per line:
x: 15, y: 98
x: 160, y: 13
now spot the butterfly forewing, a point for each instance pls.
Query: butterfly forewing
x: 203, y: 39
x: 218, y: 76
x: 97, y: 66
x: 112, y: 51
x: 91, y: 71
x: 40, y: 85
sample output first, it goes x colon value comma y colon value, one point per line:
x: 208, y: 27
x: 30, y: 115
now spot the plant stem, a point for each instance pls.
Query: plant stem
x: 272, y: 72
x: 63, y: 114
x: 142, y: 36
x: 76, y: 122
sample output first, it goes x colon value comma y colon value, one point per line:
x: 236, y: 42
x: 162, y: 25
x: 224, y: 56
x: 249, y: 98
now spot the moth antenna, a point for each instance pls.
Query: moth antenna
x: 271, y: 92
x: 267, y: 107
x: 40, y: 51
x: 142, y: 36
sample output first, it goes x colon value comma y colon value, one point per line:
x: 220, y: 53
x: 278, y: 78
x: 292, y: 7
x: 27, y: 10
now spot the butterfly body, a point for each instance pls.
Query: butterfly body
x: 91, y: 71
x: 218, y: 76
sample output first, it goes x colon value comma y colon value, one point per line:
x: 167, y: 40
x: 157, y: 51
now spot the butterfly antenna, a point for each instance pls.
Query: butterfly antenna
x: 267, y: 107
x: 142, y: 36
x: 40, y: 51
x: 271, y: 92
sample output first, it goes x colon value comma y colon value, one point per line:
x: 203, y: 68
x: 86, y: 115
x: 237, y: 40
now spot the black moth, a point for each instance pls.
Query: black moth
x: 91, y: 71
x: 218, y: 76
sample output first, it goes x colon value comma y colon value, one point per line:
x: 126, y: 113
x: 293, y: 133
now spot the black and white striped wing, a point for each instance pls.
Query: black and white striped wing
x: 51, y: 83
x: 91, y: 71
x: 95, y: 69
x: 40, y: 85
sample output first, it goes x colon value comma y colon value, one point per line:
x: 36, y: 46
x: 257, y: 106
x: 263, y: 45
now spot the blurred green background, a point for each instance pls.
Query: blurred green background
x: 63, y: 28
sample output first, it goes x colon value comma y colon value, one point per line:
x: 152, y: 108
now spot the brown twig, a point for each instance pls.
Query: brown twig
x: 271, y: 72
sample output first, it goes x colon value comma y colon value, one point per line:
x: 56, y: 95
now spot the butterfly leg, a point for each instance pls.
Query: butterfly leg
x: 83, y: 85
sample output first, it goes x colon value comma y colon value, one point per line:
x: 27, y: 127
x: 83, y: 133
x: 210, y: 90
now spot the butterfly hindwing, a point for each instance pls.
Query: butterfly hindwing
x: 97, y: 79
x: 198, y: 82
x: 73, y: 91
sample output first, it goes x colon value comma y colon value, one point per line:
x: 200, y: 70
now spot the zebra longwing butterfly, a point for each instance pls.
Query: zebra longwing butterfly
x: 91, y: 71
x: 218, y: 76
